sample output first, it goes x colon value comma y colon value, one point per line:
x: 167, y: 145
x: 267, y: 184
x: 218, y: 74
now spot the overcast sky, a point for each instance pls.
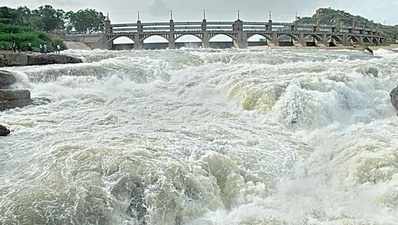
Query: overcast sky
x: 283, y: 10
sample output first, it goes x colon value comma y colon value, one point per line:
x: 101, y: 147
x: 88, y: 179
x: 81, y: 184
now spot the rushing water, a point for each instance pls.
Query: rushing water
x: 204, y: 137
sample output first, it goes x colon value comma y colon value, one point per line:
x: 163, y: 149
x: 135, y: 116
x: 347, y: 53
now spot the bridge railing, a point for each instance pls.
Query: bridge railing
x: 227, y: 26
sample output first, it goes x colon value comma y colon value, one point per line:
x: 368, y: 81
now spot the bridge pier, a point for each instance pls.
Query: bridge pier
x: 345, y: 40
x: 325, y: 40
x: 205, y: 40
x: 302, y: 41
x: 361, y: 41
x: 240, y: 40
x: 205, y: 34
x: 275, y: 40
x: 138, y: 43
x: 171, y: 36
x: 172, y: 41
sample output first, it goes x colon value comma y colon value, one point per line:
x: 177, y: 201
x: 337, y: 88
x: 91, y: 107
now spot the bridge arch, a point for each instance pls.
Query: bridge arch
x: 250, y: 37
x: 122, y: 42
x: 335, y: 39
x: 376, y: 41
x: 367, y: 40
x: 219, y: 37
x: 188, y: 41
x: 155, y: 38
x: 287, y: 39
x: 221, y: 40
x: 124, y: 38
x: 188, y: 38
x: 314, y: 36
x: 353, y: 39
x: 283, y: 36
x: 155, y: 41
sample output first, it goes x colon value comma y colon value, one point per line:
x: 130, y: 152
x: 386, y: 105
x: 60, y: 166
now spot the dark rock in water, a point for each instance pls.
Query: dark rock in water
x: 6, y: 79
x: 4, y: 131
x: 14, y: 98
x: 40, y: 101
x: 22, y: 59
x: 11, y: 95
x: 367, y: 49
x: 394, y: 98
x: 51, y: 59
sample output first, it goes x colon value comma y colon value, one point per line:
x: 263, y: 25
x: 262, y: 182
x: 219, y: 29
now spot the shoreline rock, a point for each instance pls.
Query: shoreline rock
x: 12, y: 98
x: 24, y: 59
x: 394, y: 98
x: 4, y: 131
x: 6, y: 79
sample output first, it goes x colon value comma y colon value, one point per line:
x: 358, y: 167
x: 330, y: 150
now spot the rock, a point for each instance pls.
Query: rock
x: 4, y: 131
x: 14, y: 99
x: 394, y: 98
x: 367, y: 49
x: 22, y: 59
x: 51, y: 59
x: 11, y: 95
x: 6, y: 79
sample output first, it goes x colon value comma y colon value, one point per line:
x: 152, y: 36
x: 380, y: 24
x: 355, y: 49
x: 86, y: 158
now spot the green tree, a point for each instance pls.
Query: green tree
x: 8, y: 16
x: 86, y: 21
x: 23, y: 16
x: 48, y: 19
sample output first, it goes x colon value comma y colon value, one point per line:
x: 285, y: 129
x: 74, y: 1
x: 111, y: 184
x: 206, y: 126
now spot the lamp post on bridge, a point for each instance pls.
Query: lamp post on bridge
x: 240, y: 40
x: 274, y: 40
x: 138, y: 42
x: 205, y: 33
x: 108, y: 26
x: 172, y: 41
x: 108, y: 34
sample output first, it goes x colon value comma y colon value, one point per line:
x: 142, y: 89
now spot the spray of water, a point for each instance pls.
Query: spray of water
x: 204, y: 137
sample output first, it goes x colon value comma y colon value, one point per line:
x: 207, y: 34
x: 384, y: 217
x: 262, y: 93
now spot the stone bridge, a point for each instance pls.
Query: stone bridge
x: 273, y: 33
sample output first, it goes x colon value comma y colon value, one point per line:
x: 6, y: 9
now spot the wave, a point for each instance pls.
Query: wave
x: 200, y: 137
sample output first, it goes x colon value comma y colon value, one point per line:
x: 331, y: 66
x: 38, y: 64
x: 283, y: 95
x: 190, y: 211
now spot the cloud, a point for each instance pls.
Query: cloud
x: 158, y: 9
x: 283, y: 10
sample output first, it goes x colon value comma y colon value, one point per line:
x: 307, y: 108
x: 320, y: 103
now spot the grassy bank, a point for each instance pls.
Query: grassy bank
x: 23, y: 36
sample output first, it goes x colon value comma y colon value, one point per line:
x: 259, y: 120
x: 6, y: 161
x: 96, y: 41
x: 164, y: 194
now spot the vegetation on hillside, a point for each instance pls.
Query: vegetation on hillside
x: 85, y: 21
x: 342, y: 18
x: 31, y: 27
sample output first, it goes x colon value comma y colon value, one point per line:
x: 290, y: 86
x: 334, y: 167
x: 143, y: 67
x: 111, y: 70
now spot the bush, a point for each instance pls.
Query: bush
x: 23, y: 36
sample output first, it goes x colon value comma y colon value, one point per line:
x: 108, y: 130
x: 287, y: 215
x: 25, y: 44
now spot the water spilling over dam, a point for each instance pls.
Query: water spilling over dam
x: 204, y: 137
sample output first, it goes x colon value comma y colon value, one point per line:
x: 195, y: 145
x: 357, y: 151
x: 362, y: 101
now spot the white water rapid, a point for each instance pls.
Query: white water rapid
x: 204, y: 137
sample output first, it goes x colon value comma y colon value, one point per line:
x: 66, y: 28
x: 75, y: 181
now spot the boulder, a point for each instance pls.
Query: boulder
x: 14, y: 98
x: 394, y: 98
x: 23, y: 59
x: 6, y: 79
x: 51, y: 59
x: 4, y: 131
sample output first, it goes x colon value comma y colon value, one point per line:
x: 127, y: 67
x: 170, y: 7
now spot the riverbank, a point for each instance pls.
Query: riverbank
x: 9, y: 96
x: 8, y: 58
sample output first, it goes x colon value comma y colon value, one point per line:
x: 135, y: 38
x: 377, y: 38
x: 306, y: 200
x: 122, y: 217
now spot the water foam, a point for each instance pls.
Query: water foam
x: 200, y: 137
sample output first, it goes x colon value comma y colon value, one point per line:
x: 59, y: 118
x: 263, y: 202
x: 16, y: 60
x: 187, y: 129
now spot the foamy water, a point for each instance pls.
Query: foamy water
x: 204, y: 137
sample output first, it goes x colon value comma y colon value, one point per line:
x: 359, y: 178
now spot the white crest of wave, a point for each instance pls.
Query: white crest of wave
x: 205, y: 137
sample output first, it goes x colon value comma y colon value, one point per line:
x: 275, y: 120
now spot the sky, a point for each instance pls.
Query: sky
x: 384, y: 11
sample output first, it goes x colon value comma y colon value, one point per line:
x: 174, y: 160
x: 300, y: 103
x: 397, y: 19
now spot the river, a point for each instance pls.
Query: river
x: 204, y: 137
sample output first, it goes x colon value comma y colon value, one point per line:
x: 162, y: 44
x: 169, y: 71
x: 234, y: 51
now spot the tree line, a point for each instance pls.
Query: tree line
x: 48, y: 19
x: 342, y: 18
